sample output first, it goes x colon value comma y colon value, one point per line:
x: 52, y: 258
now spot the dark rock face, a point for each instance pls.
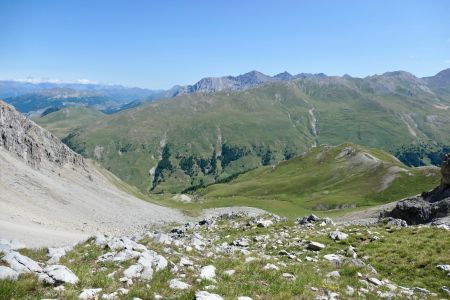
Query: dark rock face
x: 445, y: 171
x: 428, y: 206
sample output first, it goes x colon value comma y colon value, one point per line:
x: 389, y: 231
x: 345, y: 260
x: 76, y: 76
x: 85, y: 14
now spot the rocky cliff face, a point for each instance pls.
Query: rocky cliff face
x: 33, y: 144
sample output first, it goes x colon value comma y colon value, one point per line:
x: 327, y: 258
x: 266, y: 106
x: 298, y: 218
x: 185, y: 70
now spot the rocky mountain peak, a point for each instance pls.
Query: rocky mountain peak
x: 33, y: 144
x: 284, y: 76
x: 253, y: 77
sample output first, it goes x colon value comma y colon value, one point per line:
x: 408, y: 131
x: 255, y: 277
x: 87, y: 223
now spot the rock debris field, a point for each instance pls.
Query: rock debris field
x: 236, y: 256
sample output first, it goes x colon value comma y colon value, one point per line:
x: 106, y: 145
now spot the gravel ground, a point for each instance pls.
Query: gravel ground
x: 45, y: 208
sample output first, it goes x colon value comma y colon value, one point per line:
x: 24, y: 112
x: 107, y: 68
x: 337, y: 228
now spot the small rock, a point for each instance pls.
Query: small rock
x: 396, y: 222
x: 110, y: 296
x: 8, y: 273
x: 333, y: 258
x: 242, y: 242
x: 374, y: 281
x: 289, y: 276
x: 338, y: 235
x: 334, y: 274
x: 315, y: 246
x: 271, y: 267
x: 308, y: 219
x: 204, y: 295
x: 445, y: 268
x: 147, y: 273
x: 133, y: 271
x: 249, y: 259
x: 446, y: 290
x: 185, y: 262
x: 208, y: 272
x: 61, y: 274
x: 421, y: 290
x: 100, y: 240
x: 349, y: 290
x: 244, y: 298
x: 55, y: 254
x: 59, y: 288
x: 178, y: 284
x: 88, y: 294
x: 162, y: 238
x: 264, y: 223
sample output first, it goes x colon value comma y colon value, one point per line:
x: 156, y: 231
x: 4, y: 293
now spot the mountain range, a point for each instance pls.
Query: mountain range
x: 198, y: 138
x: 35, y: 98
x: 235, y: 83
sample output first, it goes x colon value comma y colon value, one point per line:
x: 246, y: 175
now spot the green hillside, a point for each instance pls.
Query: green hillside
x: 325, y: 178
x: 197, y: 139
x: 65, y: 120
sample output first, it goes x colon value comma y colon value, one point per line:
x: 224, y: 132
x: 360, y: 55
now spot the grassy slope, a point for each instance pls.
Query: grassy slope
x: 266, y: 124
x: 319, y: 180
x: 63, y: 121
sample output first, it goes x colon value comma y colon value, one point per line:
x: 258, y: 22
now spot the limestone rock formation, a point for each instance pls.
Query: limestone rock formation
x: 33, y: 144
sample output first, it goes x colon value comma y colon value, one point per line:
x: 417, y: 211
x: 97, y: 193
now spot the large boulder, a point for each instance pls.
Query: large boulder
x: 416, y: 210
x: 428, y: 206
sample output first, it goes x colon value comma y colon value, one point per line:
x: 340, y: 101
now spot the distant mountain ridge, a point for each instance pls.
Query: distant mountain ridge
x: 234, y: 83
x: 34, y: 98
x: 37, y: 97
x: 12, y: 88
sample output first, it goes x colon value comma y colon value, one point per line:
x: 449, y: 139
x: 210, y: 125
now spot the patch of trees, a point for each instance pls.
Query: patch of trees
x: 421, y: 154
x: 71, y: 141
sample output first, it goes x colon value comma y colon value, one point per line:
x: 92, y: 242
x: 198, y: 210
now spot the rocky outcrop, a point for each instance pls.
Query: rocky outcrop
x: 33, y: 144
x: 428, y: 206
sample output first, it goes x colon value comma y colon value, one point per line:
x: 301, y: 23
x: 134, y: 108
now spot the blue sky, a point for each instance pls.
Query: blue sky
x: 157, y: 44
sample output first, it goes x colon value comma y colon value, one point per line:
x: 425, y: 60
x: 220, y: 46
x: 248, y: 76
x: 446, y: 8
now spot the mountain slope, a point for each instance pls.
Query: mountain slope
x: 62, y: 121
x: 200, y: 138
x: 51, y: 195
x: 324, y: 178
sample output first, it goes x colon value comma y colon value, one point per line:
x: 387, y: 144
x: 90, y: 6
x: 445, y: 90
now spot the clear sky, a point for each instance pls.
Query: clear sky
x: 157, y: 44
